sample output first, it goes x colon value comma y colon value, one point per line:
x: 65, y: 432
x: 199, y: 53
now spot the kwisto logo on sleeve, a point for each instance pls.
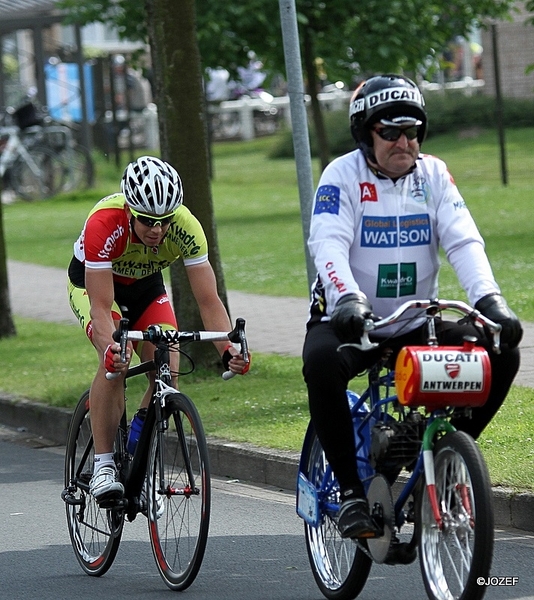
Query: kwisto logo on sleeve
x: 390, y: 232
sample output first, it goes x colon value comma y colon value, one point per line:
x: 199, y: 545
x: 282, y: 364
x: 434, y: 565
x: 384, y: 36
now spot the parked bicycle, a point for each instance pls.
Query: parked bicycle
x: 167, y: 478
x: 39, y: 156
x: 38, y: 128
x: 33, y: 173
x: 427, y: 483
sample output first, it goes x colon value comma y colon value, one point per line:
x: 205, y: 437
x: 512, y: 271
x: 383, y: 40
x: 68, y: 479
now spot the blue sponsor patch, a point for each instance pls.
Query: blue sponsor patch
x: 383, y: 232
x: 327, y: 200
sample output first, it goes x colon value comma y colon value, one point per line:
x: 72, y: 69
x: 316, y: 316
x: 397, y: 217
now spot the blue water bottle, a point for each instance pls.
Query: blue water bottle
x: 135, y: 429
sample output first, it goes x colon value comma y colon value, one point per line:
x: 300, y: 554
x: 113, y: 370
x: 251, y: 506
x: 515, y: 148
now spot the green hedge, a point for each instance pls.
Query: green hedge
x: 449, y: 112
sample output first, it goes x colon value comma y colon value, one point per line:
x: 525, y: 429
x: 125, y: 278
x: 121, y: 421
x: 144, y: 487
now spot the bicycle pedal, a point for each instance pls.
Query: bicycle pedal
x: 69, y: 497
x: 377, y: 517
x: 113, y: 503
x: 379, y: 526
x: 372, y: 535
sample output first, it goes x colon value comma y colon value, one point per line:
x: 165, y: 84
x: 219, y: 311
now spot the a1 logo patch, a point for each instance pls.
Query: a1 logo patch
x: 368, y: 192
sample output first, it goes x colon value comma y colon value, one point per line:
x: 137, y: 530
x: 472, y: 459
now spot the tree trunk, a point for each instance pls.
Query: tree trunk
x: 323, y: 146
x: 7, y: 327
x: 183, y: 134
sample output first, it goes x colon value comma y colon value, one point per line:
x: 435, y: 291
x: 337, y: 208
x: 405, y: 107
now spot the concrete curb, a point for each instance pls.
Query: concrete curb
x: 239, y: 461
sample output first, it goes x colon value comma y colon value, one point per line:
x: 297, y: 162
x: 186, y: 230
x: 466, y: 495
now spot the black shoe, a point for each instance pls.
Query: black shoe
x: 354, y: 519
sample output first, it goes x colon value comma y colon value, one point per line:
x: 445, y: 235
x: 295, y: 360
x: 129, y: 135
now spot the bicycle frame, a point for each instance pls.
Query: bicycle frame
x: 436, y: 422
x: 155, y: 413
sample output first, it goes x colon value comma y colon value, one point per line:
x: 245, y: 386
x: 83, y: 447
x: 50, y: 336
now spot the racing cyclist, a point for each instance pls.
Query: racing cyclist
x: 126, y: 242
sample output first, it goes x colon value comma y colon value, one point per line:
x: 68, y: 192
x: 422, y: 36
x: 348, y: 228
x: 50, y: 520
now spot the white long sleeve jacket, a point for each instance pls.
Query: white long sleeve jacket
x: 371, y: 234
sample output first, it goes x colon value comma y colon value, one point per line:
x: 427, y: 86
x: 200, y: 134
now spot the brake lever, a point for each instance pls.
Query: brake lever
x: 120, y: 335
x: 365, y: 343
x: 238, y: 336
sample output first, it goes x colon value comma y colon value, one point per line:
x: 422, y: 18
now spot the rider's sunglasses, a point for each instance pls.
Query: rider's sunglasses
x: 150, y: 221
x: 392, y: 134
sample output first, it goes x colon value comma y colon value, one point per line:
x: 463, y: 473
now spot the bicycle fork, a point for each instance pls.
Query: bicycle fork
x: 428, y: 459
x: 165, y: 488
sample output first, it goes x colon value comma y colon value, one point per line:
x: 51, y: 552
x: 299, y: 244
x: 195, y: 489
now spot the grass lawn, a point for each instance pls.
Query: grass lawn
x: 261, y: 242
x: 52, y: 363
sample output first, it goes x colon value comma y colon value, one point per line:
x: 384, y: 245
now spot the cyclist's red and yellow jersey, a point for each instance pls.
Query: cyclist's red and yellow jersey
x: 107, y: 242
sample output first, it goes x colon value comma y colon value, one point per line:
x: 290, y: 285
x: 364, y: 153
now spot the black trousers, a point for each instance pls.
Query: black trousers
x: 327, y: 373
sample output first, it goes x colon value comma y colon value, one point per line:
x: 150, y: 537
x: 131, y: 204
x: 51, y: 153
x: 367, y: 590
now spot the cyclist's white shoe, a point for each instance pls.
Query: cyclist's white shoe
x: 104, y: 484
x: 160, y: 505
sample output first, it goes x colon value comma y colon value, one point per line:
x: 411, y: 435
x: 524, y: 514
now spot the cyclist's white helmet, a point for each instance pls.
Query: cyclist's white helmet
x: 152, y: 186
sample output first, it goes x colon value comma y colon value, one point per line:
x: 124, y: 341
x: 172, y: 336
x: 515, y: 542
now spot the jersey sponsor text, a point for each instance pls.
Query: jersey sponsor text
x: 110, y: 242
x: 387, y: 232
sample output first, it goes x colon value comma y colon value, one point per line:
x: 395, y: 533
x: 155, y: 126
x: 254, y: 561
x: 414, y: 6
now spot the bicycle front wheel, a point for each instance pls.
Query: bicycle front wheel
x: 179, y: 493
x: 95, y: 532
x: 456, y: 554
x: 339, y: 566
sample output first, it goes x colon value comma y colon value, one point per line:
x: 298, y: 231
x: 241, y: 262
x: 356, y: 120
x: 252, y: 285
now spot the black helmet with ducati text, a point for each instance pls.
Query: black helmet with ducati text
x: 392, y: 98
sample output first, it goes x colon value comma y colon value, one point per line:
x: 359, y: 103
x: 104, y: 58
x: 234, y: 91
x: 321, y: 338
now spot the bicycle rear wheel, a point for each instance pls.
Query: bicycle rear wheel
x: 178, y: 474
x: 95, y: 532
x: 454, y: 557
x: 339, y: 566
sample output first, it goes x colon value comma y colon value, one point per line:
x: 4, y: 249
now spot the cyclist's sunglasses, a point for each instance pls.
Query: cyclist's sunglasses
x: 392, y: 134
x: 151, y: 221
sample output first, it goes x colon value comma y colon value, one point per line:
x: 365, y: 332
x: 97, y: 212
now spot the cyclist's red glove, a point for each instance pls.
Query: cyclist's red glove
x: 108, y: 359
x: 227, y: 357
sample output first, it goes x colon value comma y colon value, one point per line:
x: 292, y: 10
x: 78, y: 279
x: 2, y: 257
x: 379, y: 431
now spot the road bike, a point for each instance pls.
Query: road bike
x: 427, y: 484
x: 167, y: 478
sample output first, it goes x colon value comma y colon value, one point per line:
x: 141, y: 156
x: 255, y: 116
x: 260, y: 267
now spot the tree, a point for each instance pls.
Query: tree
x: 183, y: 134
x: 7, y: 327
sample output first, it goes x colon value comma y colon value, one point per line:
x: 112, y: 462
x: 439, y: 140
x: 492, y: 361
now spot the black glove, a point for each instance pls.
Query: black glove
x: 494, y: 307
x: 349, y: 315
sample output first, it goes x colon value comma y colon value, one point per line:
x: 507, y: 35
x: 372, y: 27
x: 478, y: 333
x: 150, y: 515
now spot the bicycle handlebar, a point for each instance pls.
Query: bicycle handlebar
x: 156, y: 335
x: 431, y: 307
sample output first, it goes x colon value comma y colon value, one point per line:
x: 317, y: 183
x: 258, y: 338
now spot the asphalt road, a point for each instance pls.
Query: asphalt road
x: 256, y: 549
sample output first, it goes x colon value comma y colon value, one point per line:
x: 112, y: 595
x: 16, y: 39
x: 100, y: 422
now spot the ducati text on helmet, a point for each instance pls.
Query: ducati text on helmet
x: 392, y: 95
x: 389, y: 97
x: 152, y: 186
